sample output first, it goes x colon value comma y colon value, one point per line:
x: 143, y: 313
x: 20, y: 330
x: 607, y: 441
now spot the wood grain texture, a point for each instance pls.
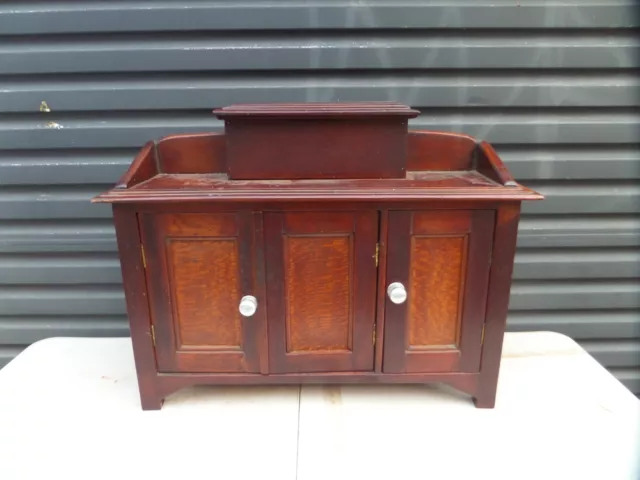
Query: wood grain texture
x: 199, y: 267
x: 192, y: 153
x: 439, y: 151
x: 333, y: 140
x: 436, y: 281
x: 318, y: 288
x: 418, y: 186
x: 143, y: 167
x: 321, y: 287
x: 325, y: 149
x: 504, y: 249
x: 206, y: 288
x: 443, y: 259
x: 313, y: 110
x: 489, y: 164
x: 137, y: 302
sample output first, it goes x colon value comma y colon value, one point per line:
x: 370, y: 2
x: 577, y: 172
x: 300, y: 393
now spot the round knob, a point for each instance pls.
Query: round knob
x: 397, y: 293
x: 248, y: 305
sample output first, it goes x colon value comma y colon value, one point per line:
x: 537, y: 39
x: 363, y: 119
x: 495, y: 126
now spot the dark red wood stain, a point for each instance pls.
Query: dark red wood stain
x: 314, y: 209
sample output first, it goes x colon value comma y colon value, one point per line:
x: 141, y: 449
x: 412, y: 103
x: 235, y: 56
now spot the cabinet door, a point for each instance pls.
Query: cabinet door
x: 199, y: 266
x: 321, y: 286
x: 441, y: 259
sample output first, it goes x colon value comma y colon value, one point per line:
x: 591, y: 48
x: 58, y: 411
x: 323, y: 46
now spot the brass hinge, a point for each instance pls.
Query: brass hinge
x: 144, y: 258
x: 377, y: 255
x: 482, y: 338
x: 374, y: 335
x: 153, y: 335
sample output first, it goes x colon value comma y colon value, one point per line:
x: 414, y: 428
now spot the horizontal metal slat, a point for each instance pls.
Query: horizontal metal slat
x: 179, y: 91
x: 65, y: 17
x: 28, y: 329
x: 629, y: 377
x: 573, y: 295
x: 614, y: 353
x: 52, y: 202
x: 573, y: 197
x: 527, y: 163
x: 578, y: 324
x: 589, y: 230
x: 134, y: 129
x: 577, y: 263
x: 571, y: 162
x: 60, y: 268
x: 62, y: 300
x: 9, y: 352
x: 57, y: 235
x: 62, y: 167
x: 286, y: 51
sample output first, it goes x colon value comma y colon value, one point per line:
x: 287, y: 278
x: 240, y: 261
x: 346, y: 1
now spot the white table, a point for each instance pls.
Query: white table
x: 69, y: 409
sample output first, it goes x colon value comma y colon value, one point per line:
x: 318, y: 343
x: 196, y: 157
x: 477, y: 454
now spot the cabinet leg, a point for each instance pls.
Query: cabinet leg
x: 485, y: 399
x: 150, y: 399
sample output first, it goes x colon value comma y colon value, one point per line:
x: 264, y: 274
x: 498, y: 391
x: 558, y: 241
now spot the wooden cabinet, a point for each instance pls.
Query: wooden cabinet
x: 302, y: 271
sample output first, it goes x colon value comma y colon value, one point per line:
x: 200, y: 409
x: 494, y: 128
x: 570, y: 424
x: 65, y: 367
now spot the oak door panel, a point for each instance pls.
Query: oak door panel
x: 321, y: 286
x: 443, y: 259
x: 199, y: 266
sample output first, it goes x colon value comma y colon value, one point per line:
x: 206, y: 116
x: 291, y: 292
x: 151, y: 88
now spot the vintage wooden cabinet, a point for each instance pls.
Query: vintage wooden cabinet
x: 317, y: 243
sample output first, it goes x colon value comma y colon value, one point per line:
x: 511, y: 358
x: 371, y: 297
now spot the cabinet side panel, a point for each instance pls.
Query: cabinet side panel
x: 204, y: 318
x: 318, y: 287
x: 136, y: 296
x: 436, y: 283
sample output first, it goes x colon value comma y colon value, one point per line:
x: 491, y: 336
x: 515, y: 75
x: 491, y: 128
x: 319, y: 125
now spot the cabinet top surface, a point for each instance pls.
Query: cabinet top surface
x: 416, y: 186
x: 318, y: 109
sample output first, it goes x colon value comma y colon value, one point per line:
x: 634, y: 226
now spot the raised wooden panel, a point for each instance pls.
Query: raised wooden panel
x: 321, y: 285
x: 318, y: 286
x: 199, y: 266
x: 204, y: 318
x: 436, y: 286
x: 443, y: 259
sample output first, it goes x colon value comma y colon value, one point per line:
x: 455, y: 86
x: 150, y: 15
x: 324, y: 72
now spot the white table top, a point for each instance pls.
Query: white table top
x: 69, y: 409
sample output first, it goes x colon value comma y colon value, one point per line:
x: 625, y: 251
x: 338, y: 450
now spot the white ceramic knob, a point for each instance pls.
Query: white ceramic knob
x: 248, y: 305
x: 397, y: 293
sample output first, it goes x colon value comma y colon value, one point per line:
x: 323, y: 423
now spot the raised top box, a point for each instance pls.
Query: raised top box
x: 316, y: 140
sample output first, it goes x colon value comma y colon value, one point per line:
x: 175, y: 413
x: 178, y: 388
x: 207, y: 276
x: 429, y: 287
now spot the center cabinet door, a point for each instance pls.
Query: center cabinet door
x: 199, y: 267
x: 321, y: 290
x: 437, y: 276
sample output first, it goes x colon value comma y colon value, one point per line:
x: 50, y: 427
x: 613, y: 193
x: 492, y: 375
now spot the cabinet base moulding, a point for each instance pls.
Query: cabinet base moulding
x: 165, y: 384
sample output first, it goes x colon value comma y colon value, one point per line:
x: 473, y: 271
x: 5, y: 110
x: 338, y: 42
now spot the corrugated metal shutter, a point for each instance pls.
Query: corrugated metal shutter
x: 555, y: 88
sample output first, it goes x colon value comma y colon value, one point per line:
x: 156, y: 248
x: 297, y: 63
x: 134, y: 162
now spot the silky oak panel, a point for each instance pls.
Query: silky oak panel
x: 321, y: 286
x: 318, y: 287
x: 443, y: 259
x: 205, y: 320
x: 198, y: 268
x: 436, y: 279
